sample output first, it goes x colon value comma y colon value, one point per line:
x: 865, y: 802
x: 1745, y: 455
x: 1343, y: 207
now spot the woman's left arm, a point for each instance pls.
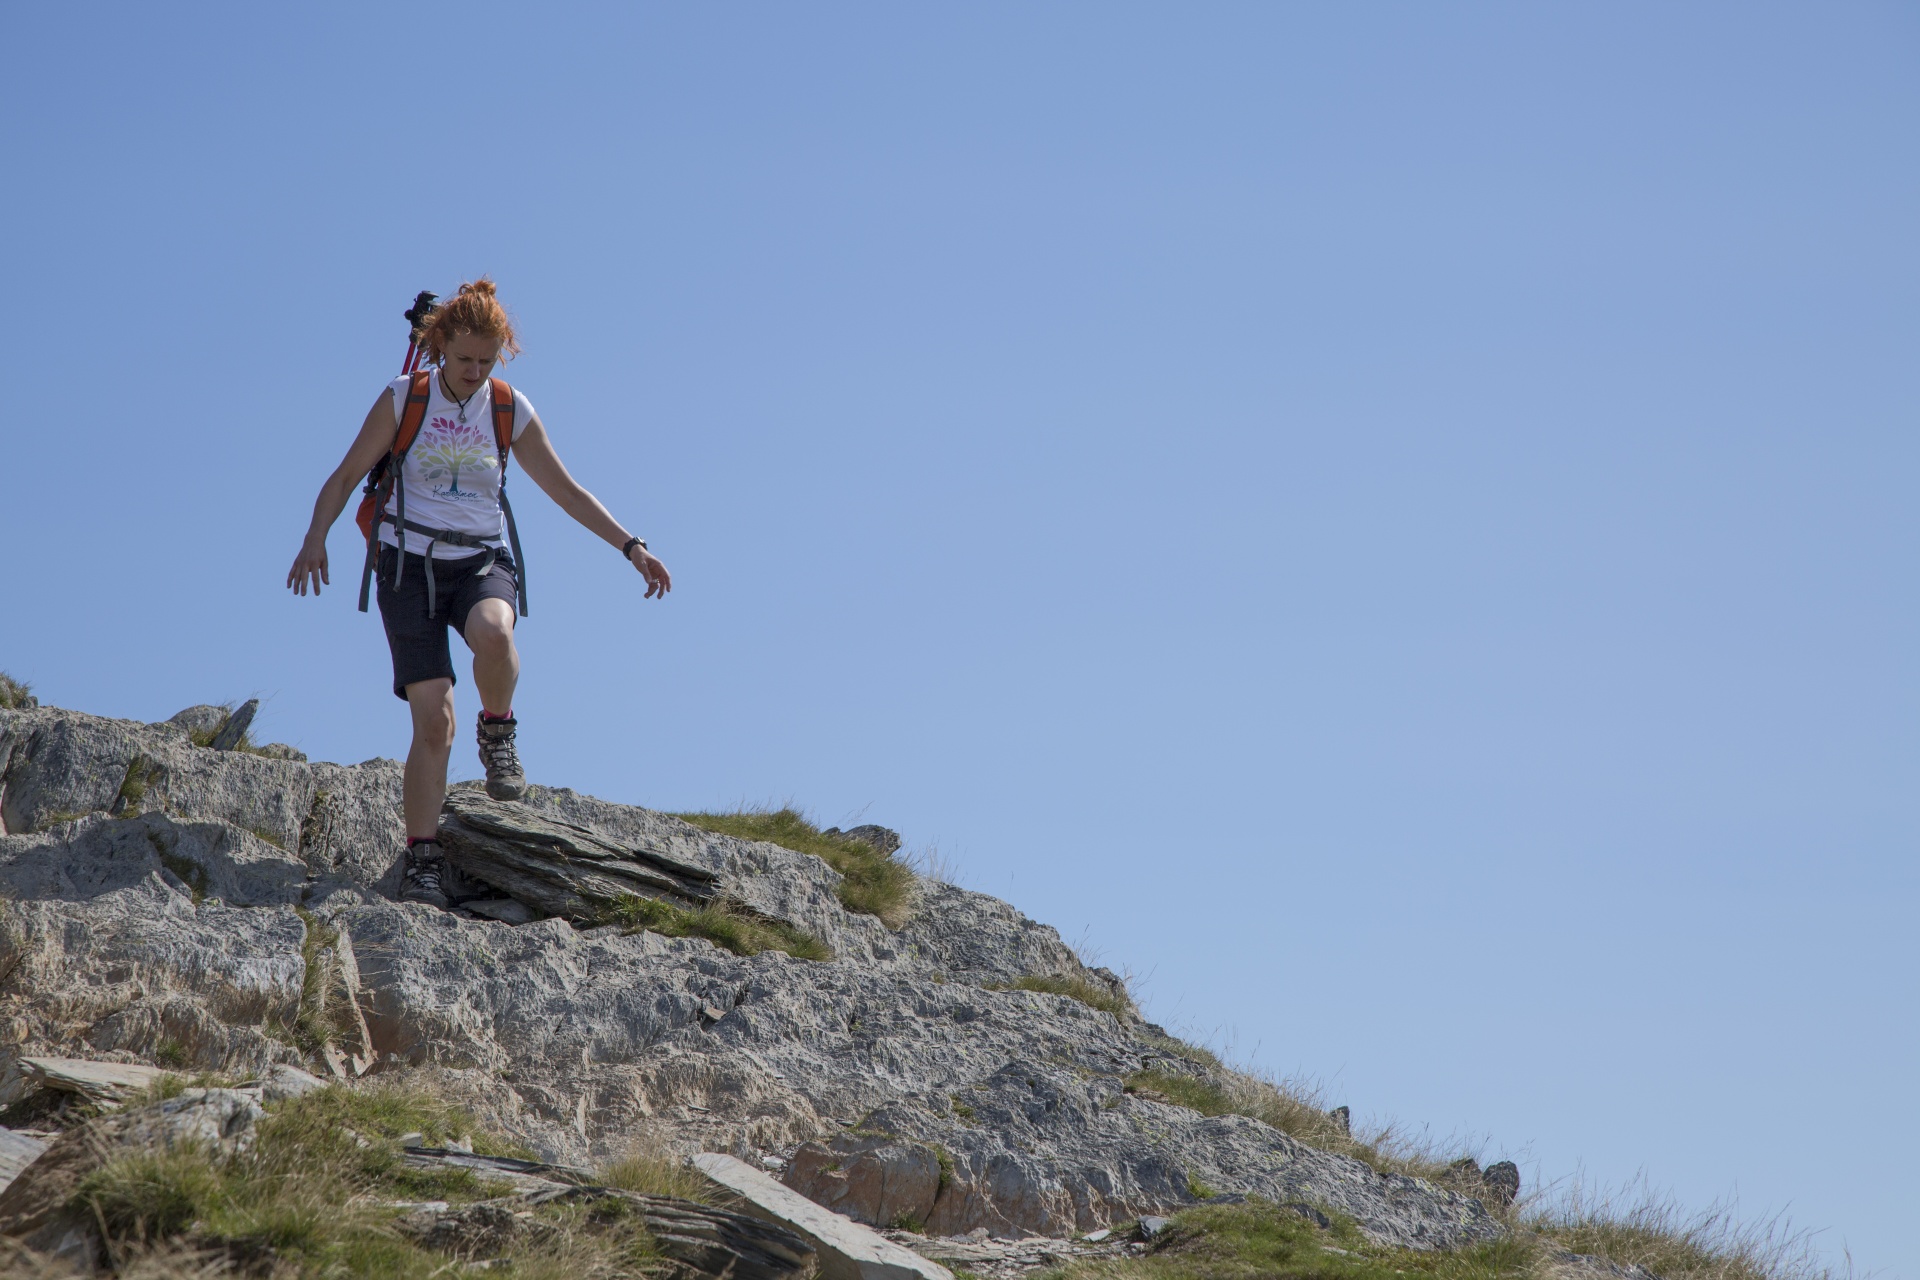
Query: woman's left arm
x: 540, y: 462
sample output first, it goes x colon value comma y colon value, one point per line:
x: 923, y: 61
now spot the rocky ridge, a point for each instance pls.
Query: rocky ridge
x: 167, y: 903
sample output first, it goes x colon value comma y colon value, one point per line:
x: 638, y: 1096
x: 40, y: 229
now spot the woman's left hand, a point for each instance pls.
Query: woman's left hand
x: 659, y: 581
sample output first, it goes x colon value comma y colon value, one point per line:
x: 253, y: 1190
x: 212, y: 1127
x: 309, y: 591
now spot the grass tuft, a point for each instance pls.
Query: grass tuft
x: 133, y: 788
x: 1096, y: 995
x: 651, y: 1167
x: 872, y: 883
x: 1643, y: 1228
x: 16, y: 695
x: 152, y: 1195
x: 723, y: 926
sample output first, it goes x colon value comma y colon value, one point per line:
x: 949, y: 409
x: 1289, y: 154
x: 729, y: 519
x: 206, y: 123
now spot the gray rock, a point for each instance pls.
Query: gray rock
x: 17, y: 1151
x: 1502, y: 1182
x: 105, y: 1084
x: 560, y: 868
x: 1152, y: 1225
x: 848, y: 1251
x: 882, y: 839
x: 203, y: 719
x: 1343, y: 1117
x: 236, y: 726
x: 243, y: 893
x: 505, y: 910
x: 282, y: 1082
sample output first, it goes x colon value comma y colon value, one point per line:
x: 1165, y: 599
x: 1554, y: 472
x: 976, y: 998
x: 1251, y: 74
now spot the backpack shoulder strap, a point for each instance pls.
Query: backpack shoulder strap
x: 414, y: 413
x: 502, y: 419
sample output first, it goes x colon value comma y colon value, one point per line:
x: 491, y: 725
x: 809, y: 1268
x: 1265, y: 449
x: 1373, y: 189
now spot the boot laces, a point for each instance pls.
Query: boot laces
x: 499, y: 753
x: 424, y: 868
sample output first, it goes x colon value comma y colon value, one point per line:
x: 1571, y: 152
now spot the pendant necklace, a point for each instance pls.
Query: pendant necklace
x: 456, y: 399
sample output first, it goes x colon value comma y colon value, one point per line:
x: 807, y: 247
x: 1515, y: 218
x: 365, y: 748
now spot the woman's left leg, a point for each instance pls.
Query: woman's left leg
x: 496, y: 673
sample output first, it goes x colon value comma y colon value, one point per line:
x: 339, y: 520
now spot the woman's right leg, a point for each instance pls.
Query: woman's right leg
x: 426, y: 781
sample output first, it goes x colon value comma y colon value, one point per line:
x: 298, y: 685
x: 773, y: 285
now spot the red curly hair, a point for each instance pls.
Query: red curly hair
x: 475, y: 309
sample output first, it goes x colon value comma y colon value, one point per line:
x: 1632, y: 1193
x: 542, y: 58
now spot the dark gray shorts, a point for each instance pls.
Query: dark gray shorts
x: 419, y: 640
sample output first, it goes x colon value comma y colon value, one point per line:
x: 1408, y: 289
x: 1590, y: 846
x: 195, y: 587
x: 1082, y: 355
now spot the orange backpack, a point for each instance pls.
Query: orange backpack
x: 385, y: 480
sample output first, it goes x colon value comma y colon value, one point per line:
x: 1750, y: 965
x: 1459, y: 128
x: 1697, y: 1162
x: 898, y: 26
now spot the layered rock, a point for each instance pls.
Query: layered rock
x: 230, y: 911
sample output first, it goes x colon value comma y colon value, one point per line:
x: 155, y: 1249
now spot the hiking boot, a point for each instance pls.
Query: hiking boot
x: 505, y: 781
x: 426, y: 875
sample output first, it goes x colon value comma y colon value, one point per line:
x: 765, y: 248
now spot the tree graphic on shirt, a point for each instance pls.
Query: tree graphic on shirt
x: 452, y: 445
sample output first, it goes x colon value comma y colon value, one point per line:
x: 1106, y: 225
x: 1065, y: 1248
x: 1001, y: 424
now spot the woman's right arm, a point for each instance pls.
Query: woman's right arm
x: 375, y: 438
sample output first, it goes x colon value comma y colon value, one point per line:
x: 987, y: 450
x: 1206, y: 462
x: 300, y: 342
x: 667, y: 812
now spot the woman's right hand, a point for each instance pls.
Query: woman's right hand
x: 310, y: 566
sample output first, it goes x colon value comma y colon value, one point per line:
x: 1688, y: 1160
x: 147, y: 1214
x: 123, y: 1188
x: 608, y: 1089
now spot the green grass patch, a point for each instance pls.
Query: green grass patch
x: 739, y: 933
x: 1095, y: 995
x: 872, y: 883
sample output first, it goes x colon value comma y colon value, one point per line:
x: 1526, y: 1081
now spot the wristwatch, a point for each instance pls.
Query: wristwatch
x: 626, y: 552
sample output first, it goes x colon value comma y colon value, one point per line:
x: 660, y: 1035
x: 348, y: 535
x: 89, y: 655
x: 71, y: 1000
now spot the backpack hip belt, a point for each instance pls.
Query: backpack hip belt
x: 435, y: 537
x: 386, y: 479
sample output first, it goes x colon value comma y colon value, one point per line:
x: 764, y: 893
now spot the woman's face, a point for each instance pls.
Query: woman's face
x: 468, y: 359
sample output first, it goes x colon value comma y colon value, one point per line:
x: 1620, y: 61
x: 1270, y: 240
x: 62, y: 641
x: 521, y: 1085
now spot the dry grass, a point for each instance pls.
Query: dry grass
x: 15, y: 695
x: 1641, y: 1227
x: 651, y: 1167
x: 872, y: 883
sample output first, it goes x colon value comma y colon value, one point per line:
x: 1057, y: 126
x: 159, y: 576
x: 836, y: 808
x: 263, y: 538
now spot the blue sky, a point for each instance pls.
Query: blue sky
x: 1393, y: 522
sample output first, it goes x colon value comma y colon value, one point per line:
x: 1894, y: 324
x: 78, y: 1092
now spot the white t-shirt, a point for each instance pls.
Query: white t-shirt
x: 452, y: 472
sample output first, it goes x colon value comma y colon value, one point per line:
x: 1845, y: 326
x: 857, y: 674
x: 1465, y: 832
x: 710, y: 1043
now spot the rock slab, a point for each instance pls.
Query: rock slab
x: 17, y: 1151
x: 556, y: 867
x: 848, y: 1251
x: 106, y: 1084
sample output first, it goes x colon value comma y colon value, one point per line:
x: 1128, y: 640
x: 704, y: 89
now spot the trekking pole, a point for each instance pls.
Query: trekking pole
x: 417, y: 317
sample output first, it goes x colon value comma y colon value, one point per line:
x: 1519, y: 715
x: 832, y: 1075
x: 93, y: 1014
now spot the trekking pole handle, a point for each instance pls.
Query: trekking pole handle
x: 420, y: 312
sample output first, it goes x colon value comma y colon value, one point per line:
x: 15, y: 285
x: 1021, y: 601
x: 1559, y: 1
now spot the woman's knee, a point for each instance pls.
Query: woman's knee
x: 489, y: 629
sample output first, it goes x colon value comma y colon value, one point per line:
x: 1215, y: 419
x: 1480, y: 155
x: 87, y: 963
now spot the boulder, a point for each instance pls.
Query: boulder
x: 1502, y: 1182
x: 882, y: 840
x: 559, y: 868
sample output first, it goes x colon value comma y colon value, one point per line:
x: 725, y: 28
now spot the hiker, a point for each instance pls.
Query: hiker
x: 454, y: 427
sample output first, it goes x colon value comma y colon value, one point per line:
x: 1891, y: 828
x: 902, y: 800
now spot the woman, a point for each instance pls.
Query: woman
x: 456, y: 570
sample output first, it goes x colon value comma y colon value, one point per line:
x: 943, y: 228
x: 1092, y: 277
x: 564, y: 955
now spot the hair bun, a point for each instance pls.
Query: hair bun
x: 474, y: 309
